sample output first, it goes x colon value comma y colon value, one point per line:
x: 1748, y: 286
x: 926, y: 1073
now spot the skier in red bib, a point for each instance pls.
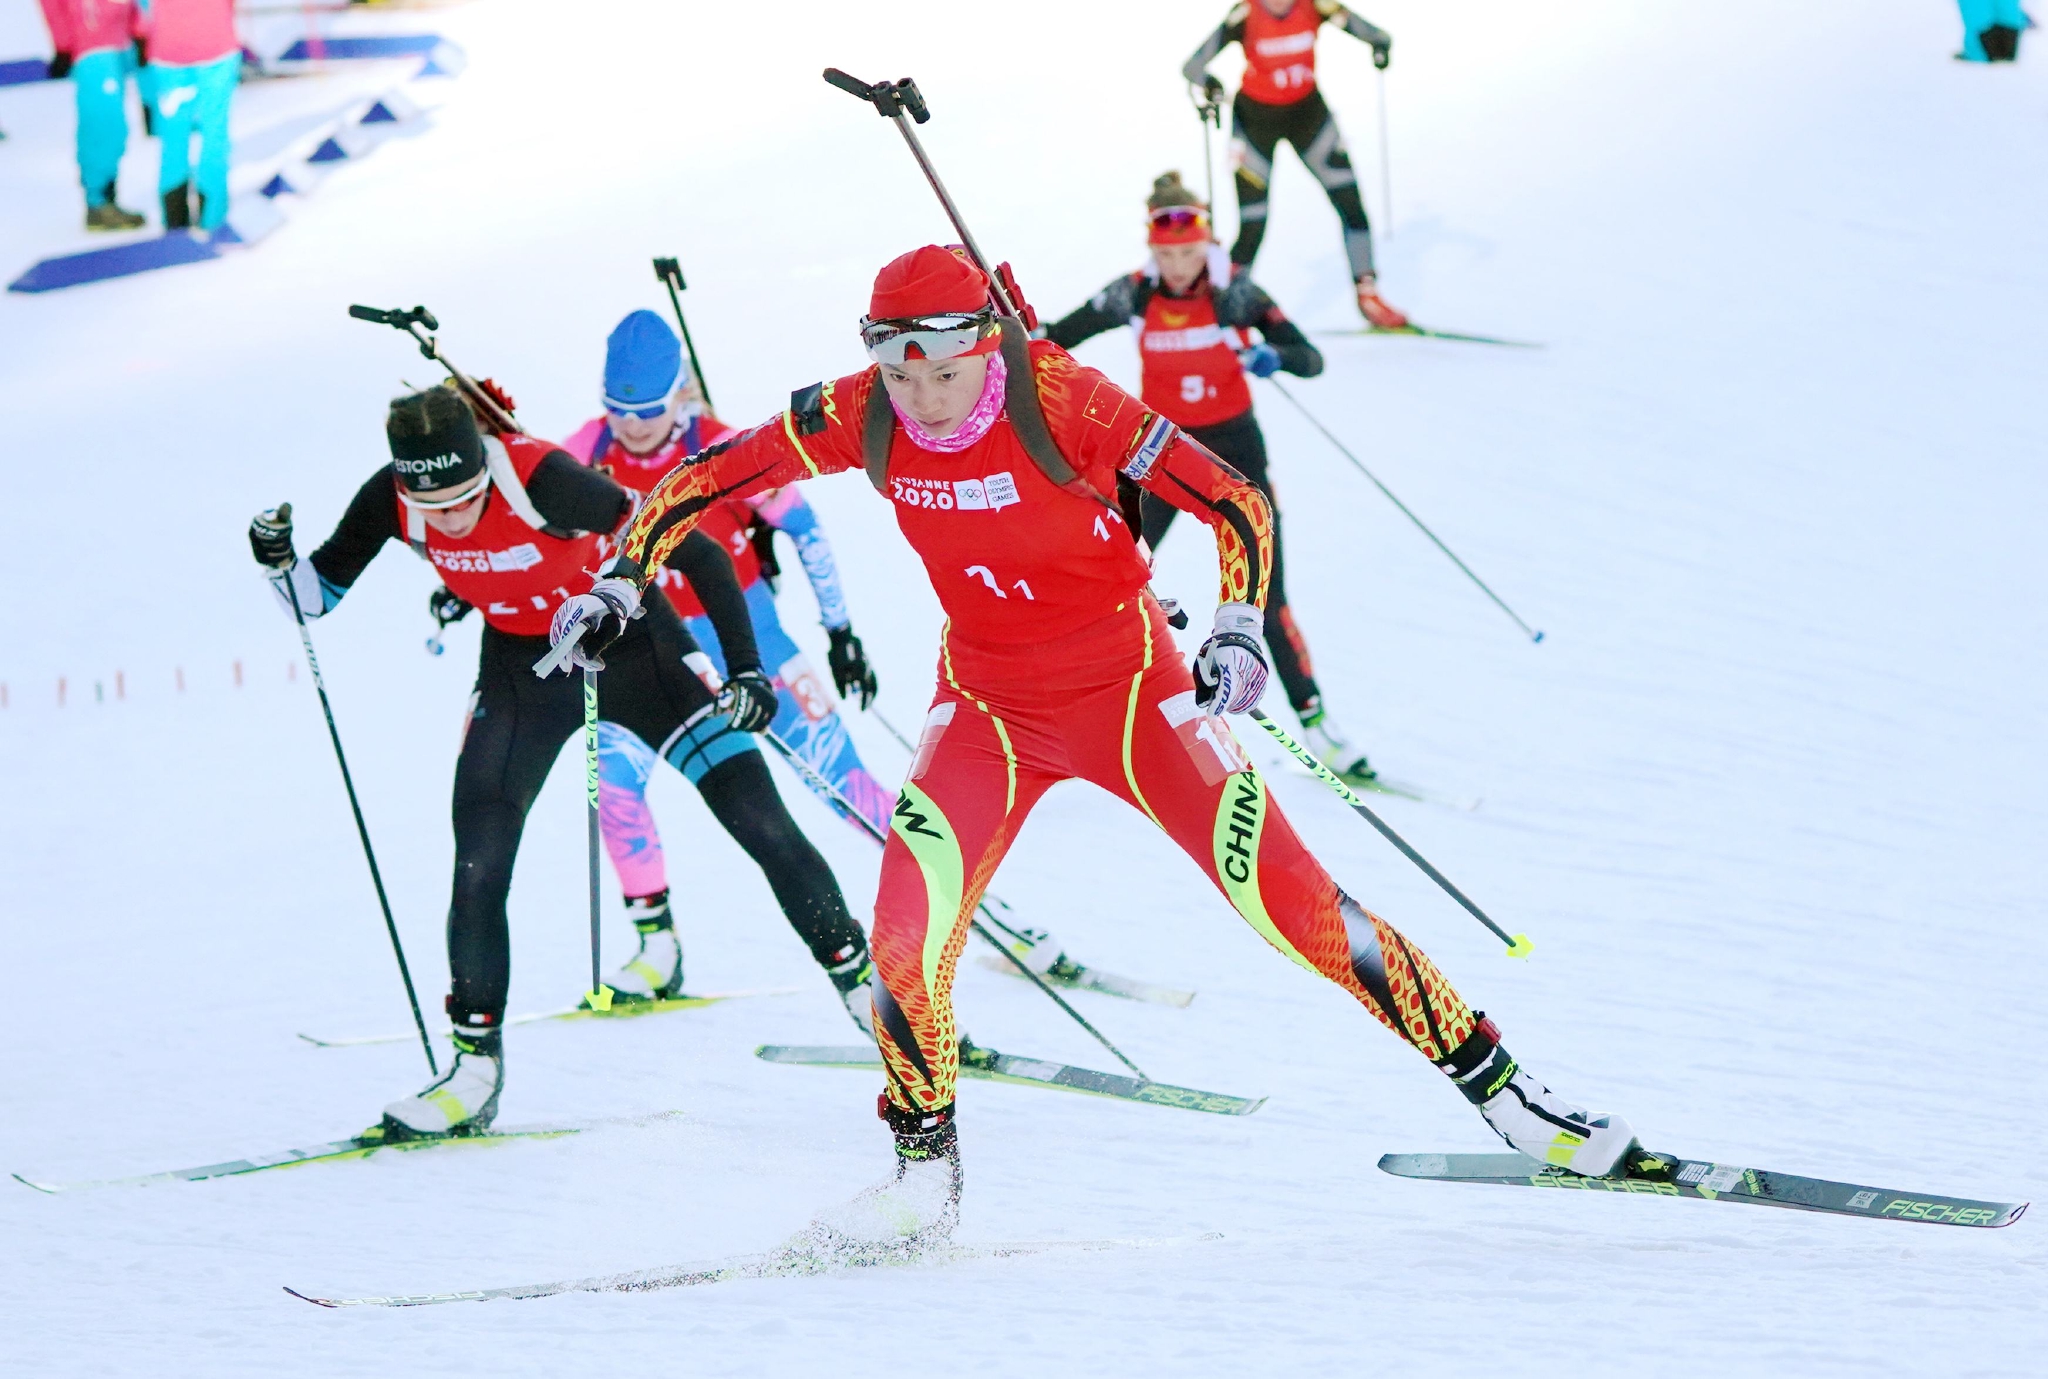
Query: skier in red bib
x: 1002, y: 458
x: 1194, y: 312
x: 654, y: 417
x: 1277, y: 100
x: 512, y: 525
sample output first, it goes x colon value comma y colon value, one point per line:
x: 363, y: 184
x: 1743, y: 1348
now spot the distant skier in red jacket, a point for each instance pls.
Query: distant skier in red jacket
x: 1055, y: 663
x: 1278, y: 100
x: 1194, y: 313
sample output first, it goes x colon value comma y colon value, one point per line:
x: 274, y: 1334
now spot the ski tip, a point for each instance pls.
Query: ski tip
x: 1521, y: 947
x: 317, y: 1302
x: 49, y: 1189
x: 316, y: 1043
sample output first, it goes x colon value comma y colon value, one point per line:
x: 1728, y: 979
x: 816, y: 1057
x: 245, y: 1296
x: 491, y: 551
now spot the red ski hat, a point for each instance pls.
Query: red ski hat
x: 928, y: 282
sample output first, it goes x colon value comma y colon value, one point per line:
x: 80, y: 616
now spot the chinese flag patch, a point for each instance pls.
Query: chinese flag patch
x: 1105, y: 400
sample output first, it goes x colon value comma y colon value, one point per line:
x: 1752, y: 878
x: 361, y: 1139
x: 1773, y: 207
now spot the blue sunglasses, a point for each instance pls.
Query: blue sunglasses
x: 646, y: 413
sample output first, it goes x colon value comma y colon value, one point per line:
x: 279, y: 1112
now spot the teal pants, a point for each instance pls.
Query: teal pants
x: 192, y: 100
x: 100, y: 81
x: 1979, y: 15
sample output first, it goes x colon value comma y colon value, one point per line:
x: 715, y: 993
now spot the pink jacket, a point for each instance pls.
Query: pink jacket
x: 183, y: 32
x: 79, y: 27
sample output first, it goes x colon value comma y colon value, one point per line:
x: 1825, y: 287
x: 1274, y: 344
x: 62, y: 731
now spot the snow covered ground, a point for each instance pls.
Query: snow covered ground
x: 1768, y: 796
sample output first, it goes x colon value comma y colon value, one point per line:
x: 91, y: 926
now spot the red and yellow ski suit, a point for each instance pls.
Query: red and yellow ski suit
x: 1056, y: 662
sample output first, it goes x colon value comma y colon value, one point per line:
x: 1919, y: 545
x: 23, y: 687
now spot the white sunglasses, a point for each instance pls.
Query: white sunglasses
x: 462, y: 499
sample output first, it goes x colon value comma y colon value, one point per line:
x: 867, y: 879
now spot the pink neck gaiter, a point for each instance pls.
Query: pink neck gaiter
x: 986, y: 410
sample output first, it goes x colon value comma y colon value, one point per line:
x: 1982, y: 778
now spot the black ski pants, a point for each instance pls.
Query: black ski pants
x: 1240, y: 444
x: 517, y: 725
x: 1256, y: 132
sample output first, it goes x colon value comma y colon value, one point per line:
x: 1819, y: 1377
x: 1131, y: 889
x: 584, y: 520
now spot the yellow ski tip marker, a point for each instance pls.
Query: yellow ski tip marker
x: 600, y: 999
x: 1520, y: 947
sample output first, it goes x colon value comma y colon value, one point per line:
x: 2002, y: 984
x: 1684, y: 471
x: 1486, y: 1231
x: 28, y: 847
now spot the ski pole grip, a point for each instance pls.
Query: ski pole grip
x: 669, y: 271
x: 370, y: 313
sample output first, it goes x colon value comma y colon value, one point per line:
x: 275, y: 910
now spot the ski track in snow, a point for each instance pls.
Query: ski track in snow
x: 1767, y: 797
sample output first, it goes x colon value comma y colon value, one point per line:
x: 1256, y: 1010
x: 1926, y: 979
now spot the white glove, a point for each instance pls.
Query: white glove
x: 1230, y: 668
x: 299, y: 584
x: 586, y: 624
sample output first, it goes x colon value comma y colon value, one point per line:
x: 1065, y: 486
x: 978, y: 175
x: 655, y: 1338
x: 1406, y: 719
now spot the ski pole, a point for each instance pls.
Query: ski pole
x: 905, y: 743
x: 671, y: 275
x: 1342, y: 449
x: 902, y: 102
x: 1519, y: 945
x: 416, y: 323
x: 1209, y: 110
x: 1386, y: 164
x: 284, y: 512
x: 600, y: 997
x: 846, y: 807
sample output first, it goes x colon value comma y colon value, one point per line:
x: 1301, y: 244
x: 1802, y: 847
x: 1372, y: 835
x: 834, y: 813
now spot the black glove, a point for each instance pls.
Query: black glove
x: 1212, y: 89
x: 60, y: 67
x: 1382, y: 54
x: 850, y: 668
x: 447, y: 606
x: 270, y: 538
x: 750, y: 701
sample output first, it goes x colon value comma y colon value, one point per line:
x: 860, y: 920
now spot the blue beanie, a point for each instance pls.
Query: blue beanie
x: 643, y: 362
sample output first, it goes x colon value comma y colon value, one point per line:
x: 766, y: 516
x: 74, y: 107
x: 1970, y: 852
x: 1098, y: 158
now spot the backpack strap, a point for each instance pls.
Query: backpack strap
x: 416, y: 531
x: 877, y: 430
x: 506, y: 479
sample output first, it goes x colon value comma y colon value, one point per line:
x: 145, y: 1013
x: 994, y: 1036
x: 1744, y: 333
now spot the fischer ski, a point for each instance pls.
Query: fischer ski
x: 621, y: 1010
x: 988, y: 1065
x: 361, y: 1146
x: 1426, y: 333
x: 1077, y: 977
x: 1657, y: 1175
x: 791, y: 1261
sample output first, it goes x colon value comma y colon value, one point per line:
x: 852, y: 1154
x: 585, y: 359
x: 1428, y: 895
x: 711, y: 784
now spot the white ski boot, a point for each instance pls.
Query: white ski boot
x: 1532, y: 1118
x: 899, y: 1219
x: 656, y: 971
x: 1332, y: 748
x: 462, y: 1101
x: 1038, y: 950
x: 853, y: 977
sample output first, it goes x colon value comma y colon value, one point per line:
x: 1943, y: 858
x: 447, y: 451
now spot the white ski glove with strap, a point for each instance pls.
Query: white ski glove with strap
x: 586, y: 624
x: 1230, y: 667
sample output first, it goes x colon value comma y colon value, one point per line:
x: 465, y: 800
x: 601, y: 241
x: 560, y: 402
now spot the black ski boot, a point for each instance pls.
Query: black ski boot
x: 852, y: 971
x: 177, y: 210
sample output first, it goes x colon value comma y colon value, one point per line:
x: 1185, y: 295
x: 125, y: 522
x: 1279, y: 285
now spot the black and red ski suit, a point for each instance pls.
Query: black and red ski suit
x: 1188, y: 343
